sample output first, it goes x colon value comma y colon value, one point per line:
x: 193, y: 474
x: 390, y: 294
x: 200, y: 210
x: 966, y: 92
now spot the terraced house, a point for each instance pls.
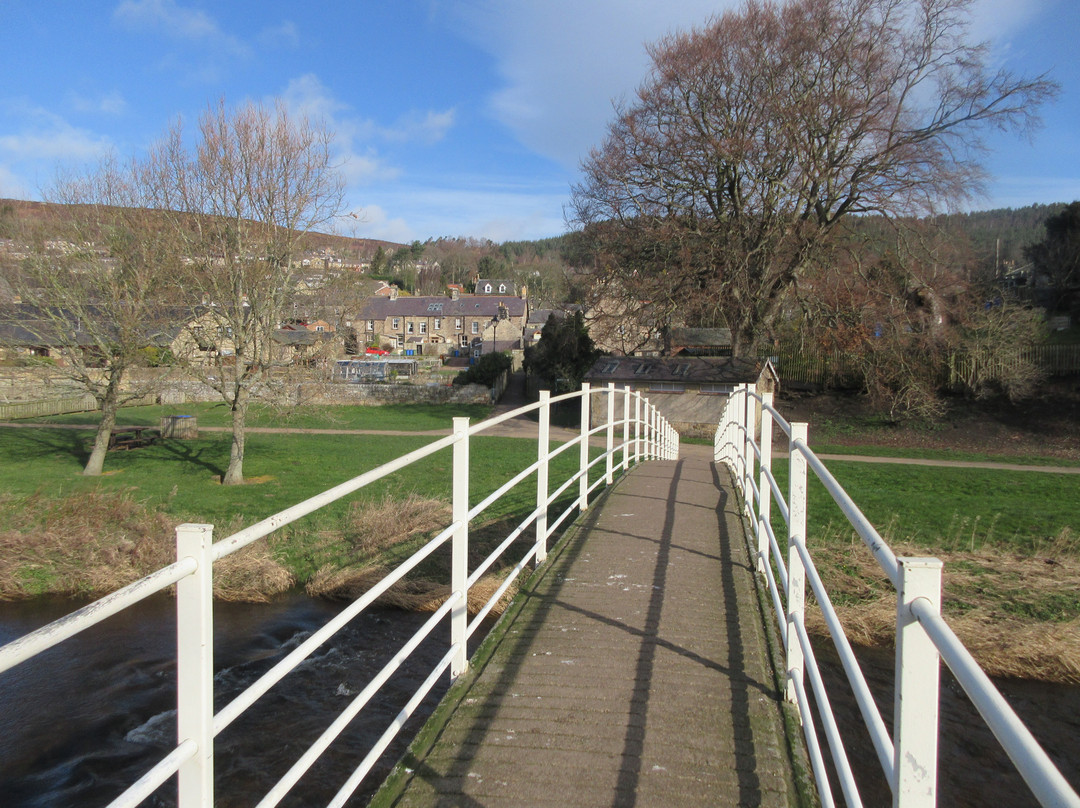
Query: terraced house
x: 440, y: 324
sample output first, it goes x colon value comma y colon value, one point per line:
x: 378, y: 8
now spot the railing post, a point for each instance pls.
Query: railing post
x: 915, y: 703
x: 748, y: 453
x: 195, y: 665
x: 796, y: 594
x: 738, y: 447
x: 765, y: 508
x: 583, y: 482
x: 637, y: 427
x: 626, y: 428
x: 609, y: 466
x: 459, y: 554
x: 543, y: 448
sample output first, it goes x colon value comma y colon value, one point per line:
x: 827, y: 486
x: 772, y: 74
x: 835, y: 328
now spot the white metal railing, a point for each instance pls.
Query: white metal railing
x: 645, y: 435
x: 908, y: 757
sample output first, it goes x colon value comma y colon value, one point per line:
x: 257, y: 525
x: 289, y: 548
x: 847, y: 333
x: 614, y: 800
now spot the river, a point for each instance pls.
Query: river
x: 81, y: 722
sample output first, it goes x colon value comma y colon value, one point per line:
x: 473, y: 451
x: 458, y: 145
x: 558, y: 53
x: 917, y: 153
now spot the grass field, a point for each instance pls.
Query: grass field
x: 178, y: 481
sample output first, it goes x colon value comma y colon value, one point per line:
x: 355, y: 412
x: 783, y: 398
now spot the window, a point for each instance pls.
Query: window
x: 682, y: 369
x: 642, y: 369
x: 610, y: 367
x: 396, y: 323
x: 475, y: 327
x: 459, y: 323
x: 320, y: 328
x: 400, y: 341
x: 438, y: 323
x: 721, y: 389
x: 423, y: 326
x: 502, y: 288
x: 370, y: 325
x: 487, y: 288
x: 667, y: 387
x: 463, y: 341
x: 409, y: 327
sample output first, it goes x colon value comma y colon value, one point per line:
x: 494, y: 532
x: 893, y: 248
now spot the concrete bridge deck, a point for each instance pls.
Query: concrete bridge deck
x: 634, y: 669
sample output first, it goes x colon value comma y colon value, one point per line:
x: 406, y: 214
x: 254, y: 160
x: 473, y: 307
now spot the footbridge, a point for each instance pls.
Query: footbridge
x: 655, y: 653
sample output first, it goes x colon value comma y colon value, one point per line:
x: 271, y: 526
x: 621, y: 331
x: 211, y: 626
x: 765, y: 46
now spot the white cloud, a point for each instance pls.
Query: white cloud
x: 12, y: 186
x: 46, y: 136
x: 285, y: 35
x: 170, y: 18
x: 563, y: 62
x: 112, y: 103
x: 423, y: 127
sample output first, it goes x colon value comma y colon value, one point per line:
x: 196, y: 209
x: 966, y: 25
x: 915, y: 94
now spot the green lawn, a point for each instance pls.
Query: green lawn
x: 946, y: 508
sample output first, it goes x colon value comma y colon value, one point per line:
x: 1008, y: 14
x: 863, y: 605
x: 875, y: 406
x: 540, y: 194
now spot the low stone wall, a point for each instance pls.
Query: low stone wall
x: 376, y: 394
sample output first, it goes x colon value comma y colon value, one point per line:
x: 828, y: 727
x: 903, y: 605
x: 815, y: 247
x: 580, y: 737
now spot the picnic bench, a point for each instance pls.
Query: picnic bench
x: 132, y: 437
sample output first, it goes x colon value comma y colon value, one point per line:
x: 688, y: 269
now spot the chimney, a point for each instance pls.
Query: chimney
x: 453, y: 293
x: 393, y: 292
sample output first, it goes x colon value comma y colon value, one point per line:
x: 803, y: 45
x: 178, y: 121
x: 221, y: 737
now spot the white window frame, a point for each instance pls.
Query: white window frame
x: 409, y: 327
x: 438, y: 323
x: 475, y: 327
x: 459, y: 323
x: 370, y: 325
x: 423, y: 326
x: 395, y: 323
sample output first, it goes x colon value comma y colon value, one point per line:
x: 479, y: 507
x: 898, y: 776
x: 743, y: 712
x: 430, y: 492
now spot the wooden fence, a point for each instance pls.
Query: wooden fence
x: 58, y: 406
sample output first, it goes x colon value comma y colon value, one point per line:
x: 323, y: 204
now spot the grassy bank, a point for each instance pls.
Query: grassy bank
x: 67, y: 534
x: 1009, y: 542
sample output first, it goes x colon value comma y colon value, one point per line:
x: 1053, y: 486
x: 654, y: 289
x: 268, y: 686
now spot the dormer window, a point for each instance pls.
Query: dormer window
x: 502, y: 288
x: 487, y: 288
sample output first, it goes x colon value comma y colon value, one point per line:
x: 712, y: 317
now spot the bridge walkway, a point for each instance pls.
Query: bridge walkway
x: 633, y: 669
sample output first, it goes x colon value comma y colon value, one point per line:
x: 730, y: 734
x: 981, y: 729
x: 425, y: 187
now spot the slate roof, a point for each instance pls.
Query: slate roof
x: 688, y: 369
x: 379, y: 308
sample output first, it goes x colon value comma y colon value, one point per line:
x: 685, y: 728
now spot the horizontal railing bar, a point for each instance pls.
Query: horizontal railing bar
x: 558, y: 450
x: 558, y: 491
x: 493, y: 556
x: 817, y: 763
x: 391, y: 732
x: 784, y: 424
x: 345, y: 717
x: 781, y: 566
x: 506, y: 584
x: 54, y: 633
x: 481, y: 506
x: 778, y: 497
x: 875, y: 725
x: 561, y: 517
x: 150, y: 782
x: 885, y: 557
x: 267, y: 526
x: 1035, y: 766
x: 482, y: 426
x: 777, y: 604
x: 838, y: 753
x: 233, y: 709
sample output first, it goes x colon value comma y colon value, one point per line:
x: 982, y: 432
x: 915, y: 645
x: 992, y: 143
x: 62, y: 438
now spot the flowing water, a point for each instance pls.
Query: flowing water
x: 84, y: 720
x: 973, y: 769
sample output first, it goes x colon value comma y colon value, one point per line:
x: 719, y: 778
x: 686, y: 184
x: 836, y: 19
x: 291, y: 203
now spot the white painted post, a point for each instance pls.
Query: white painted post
x: 765, y: 511
x: 637, y: 427
x: 195, y: 665
x: 543, y: 448
x: 583, y: 482
x: 626, y: 427
x: 738, y: 447
x: 459, y: 554
x: 915, y: 701
x: 748, y: 453
x: 796, y: 594
x: 609, y: 467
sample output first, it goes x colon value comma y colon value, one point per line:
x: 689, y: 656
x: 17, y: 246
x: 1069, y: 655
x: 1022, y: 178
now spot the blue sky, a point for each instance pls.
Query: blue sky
x: 453, y: 117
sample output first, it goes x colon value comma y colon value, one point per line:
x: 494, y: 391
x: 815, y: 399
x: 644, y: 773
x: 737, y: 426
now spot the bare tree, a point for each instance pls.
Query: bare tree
x: 754, y: 136
x: 242, y: 198
x: 97, y: 291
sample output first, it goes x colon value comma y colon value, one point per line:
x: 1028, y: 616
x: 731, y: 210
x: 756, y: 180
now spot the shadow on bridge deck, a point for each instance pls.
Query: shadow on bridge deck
x: 632, y: 670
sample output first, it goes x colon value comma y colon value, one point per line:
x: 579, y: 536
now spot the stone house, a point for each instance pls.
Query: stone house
x: 690, y: 391
x: 473, y: 324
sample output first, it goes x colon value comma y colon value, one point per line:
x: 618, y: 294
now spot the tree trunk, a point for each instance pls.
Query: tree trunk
x: 96, y: 462
x: 235, y: 473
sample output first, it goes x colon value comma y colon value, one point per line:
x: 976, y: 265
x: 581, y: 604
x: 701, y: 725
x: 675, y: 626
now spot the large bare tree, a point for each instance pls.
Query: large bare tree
x: 243, y: 197
x: 97, y: 290
x: 752, y: 137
